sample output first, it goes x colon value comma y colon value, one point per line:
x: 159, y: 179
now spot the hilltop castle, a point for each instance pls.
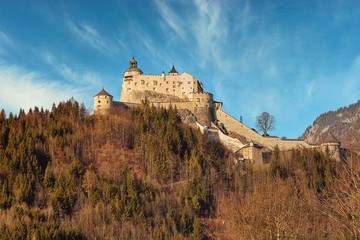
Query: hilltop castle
x: 185, y: 92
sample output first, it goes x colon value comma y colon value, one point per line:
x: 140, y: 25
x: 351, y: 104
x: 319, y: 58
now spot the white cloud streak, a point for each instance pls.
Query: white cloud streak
x: 25, y: 89
x: 211, y: 30
x: 91, y: 36
x: 171, y: 18
x: 5, y: 42
x: 69, y: 74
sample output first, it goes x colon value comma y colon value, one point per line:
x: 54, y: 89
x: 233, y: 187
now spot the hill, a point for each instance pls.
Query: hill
x: 141, y: 173
x: 343, y: 124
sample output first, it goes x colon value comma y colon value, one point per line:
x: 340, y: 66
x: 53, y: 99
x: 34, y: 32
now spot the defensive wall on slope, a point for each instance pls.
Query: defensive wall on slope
x: 202, y: 107
x: 231, y: 124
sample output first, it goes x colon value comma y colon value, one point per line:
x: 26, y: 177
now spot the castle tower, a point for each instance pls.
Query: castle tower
x: 203, y: 105
x: 133, y: 69
x: 103, y: 101
x: 173, y: 71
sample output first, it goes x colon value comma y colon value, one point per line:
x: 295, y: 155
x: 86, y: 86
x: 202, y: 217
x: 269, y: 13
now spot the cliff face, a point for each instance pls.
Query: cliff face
x: 343, y: 123
x: 135, y: 96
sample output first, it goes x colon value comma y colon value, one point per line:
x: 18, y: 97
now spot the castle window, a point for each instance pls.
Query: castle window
x: 184, y: 93
x: 154, y: 89
x: 189, y: 82
x: 107, y: 101
x: 174, y: 86
x: 99, y: 101
x: 129, y: 89
x: 142, y: 82
x: 167, y: 82
x: 155, y: 82
x: 182, y: 88
x: 161, y: 84
x: 147, y: 84
x: 198, y: 99
x: 174, y: 90
x: 167, y: 89
x: 136, y: 84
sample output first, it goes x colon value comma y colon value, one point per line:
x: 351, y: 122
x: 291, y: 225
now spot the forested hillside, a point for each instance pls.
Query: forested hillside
x: 344, y: 124
x: 142, y: 174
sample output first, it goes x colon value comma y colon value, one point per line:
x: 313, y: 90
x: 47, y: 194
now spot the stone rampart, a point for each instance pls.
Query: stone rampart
x: 231, y: 124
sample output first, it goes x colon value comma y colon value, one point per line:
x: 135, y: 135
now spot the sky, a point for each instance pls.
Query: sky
x: 292, y: 59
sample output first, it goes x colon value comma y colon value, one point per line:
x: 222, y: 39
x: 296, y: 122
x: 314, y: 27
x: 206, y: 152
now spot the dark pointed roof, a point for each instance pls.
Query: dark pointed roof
x: 330, y: 138
x: 103, y: 93
x: 133, y: 59
x: 173, y: 70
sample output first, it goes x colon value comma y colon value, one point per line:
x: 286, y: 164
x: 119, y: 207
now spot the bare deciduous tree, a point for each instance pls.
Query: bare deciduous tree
x: 265, y: 122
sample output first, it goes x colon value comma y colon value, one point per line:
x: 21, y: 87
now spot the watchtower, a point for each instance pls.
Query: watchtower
x: 103, y: 101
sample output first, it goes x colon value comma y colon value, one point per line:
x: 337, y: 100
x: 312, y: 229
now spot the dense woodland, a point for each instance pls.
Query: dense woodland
x: 142, y: 174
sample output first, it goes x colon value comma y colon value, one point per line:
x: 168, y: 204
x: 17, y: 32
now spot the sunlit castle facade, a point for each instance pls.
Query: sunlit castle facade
x: 183, y: 91
x: 180, y: 85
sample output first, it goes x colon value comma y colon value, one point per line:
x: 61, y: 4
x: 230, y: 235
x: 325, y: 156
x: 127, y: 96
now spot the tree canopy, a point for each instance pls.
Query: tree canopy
x: 265, y: 122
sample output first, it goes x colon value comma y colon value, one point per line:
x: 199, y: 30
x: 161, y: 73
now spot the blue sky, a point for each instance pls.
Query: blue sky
x: 293, y: 59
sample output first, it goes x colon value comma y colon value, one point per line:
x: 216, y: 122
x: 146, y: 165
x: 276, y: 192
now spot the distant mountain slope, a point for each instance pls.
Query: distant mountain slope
x: 341, y: 123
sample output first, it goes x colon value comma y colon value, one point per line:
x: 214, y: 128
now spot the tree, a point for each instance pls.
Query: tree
x: 265, y: 122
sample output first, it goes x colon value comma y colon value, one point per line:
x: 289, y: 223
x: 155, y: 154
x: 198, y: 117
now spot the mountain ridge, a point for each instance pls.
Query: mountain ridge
x: 343, y: 124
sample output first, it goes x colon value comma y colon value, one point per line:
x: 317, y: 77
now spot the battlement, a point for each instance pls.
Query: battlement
x: 203, y: 94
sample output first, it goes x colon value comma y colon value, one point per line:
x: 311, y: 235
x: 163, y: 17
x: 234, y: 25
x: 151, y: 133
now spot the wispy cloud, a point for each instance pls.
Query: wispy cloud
x: 171, y: 18
x: 69, y: 74
x: 25, y: 89
x: 310, y: 88
x: 211, y: 31
x: 89, y: 34
x: 5, y: 42
x: 348, y: 81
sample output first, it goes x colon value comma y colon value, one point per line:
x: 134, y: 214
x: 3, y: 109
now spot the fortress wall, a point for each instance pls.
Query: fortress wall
x: 182, y: 85
x: 179, y: 105
x: 232, y: 143
x: 231, y: 124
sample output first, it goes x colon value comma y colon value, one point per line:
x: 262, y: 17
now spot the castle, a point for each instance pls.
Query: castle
x: 185, y: 92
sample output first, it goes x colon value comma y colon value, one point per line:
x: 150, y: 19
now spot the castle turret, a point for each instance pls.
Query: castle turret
x: 173, y: 71
x: 103, y: 101
x: 133, y: 69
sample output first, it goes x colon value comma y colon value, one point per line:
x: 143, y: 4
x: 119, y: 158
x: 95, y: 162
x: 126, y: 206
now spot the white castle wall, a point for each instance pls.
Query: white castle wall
x: 182, y: 85
x: 231, y: 124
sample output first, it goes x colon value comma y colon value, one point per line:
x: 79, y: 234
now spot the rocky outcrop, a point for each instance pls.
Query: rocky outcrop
x: 135, y: 96
x: 187, y: 116
x: 343, y: 124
